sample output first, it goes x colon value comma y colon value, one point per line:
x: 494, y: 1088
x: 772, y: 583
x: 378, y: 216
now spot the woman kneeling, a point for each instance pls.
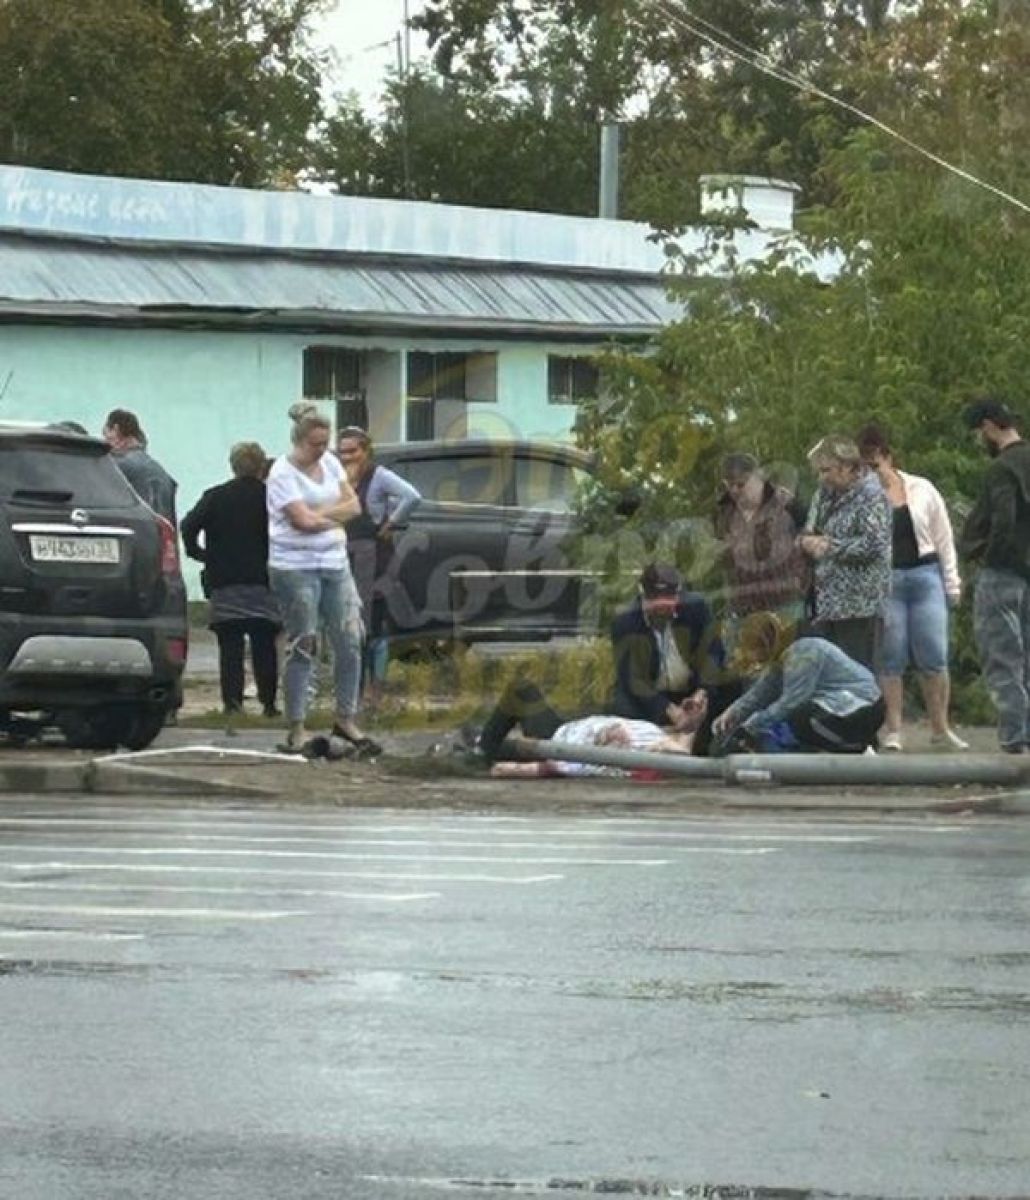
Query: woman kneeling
x: 808, y: 695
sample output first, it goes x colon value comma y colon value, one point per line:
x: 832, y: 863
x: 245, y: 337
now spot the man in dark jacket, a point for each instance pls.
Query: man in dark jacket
x: 669, y: 660
x: 997, y: 535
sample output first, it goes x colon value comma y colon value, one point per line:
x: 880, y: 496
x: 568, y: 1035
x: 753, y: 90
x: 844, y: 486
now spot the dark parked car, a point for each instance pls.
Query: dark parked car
x: 484, y: 555
x: 92, y: 603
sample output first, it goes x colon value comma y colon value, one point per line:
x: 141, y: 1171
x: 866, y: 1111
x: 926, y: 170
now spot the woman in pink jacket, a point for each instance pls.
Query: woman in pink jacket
x: 925, y: 583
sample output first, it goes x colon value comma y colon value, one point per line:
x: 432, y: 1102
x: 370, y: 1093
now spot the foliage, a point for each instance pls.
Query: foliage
x: 510, y: 115
x: 218, y: 91
x: 464, y: 147
x: 930, y: 303
x: 688, y: 107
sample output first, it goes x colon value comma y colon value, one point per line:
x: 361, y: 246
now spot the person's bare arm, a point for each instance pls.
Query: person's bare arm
x: 308, y: 520
x: 345, y: 508
x: 683, y: 744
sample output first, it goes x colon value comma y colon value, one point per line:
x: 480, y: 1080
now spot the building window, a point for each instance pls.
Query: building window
x: 571, y: 380
x: 332, y: 376
x: 330, y: 372
x: 448, y: 376
x: 420, y: 420
x: 439, y: 384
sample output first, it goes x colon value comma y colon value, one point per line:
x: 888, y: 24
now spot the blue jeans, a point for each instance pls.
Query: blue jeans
x: 916, y: 622
x: 1001, y: 622
x: 310, y: 600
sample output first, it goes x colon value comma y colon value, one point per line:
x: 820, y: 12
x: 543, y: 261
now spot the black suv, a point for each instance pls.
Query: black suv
x: 92, y: 603
x: 484, y: 556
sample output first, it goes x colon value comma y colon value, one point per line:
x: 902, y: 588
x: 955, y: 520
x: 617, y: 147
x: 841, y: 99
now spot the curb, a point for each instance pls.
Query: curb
x: 116, y: 779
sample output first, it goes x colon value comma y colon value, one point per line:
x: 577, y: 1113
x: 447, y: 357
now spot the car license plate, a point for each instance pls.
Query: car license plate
x: 47, y: 548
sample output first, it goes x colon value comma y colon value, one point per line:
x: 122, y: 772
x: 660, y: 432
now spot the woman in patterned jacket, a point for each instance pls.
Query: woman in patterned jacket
x: 848, y: 538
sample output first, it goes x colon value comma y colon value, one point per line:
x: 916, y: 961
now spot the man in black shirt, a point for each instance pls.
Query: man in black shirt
x: 997, y: 535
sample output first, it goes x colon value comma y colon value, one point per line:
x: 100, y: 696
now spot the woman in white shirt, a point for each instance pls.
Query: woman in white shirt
x: 309, y: 499
x: 925, y: 583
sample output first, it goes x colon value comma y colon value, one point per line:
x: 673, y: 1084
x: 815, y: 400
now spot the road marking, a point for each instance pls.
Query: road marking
x: 394, y: 820
x: 449, y: 840
x: 509, y: 826
x: 390, y: 897
x: 192, y: 914
x: 343, y: 856
x: 167, y: 868
x: 82, y: 935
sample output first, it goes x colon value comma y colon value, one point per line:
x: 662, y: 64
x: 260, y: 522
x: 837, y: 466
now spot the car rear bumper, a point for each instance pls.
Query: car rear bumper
x: 44, y: 666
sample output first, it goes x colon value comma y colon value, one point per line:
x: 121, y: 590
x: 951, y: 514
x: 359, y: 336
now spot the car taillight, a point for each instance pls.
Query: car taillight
x: 169, y: 547
x: 177, y: 648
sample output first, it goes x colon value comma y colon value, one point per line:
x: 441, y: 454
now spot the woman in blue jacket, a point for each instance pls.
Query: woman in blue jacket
x: 808, y: 695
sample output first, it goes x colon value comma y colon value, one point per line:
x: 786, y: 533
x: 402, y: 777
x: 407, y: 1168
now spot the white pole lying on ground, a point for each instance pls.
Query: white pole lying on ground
x: 826, y: 770
x: 883, y: 770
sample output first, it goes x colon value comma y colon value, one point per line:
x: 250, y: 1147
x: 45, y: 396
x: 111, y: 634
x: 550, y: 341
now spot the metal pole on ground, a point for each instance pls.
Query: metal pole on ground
x: 818, y: 770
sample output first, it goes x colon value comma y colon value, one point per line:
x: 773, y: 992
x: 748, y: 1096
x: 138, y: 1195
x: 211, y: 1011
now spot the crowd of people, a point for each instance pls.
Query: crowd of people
x: 826, y: 605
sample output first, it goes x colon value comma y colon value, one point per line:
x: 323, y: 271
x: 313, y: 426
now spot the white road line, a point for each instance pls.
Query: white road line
x: 79, y: 935
x: 28, y: 885
x: 191, y: 914
x: 171, y: 869
x: 165, y: 829
x: 343, y: 856
x: 684, y: 827
x: 579, y: 826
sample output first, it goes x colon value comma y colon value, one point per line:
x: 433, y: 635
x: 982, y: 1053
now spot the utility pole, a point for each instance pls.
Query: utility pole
x: 608, y: 175
x: 404, y: 72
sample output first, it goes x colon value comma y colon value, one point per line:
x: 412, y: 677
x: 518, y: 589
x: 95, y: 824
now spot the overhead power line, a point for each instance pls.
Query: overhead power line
x: 722, y: 40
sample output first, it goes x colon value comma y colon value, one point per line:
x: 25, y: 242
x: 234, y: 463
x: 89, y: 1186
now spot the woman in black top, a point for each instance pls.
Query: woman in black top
x: 233, y: 520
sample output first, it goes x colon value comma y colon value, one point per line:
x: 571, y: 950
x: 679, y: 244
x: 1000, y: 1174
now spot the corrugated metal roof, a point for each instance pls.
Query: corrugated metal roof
x: 53, y: 277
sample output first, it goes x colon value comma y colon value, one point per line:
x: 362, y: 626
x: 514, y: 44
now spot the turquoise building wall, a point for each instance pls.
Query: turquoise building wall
x: 197, y: 392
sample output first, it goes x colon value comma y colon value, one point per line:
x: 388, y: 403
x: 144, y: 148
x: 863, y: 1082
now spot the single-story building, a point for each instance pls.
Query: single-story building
x: 209, y: 310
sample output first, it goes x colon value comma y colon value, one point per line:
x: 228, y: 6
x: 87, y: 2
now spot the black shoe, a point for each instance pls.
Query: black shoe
x: 316, y: 747
x: 1014, y: 748
x: 271, y: 712
x: 337, y: 749
x: 364, y: 747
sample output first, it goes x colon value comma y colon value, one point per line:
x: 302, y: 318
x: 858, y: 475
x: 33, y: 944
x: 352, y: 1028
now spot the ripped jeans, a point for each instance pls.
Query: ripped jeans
x: 309, y: 600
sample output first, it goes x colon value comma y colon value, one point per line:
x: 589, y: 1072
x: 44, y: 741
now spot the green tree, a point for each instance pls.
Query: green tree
x: 219, y: 91
x: 930, y: 302
x: 682, y: 78
x: 464, y: 147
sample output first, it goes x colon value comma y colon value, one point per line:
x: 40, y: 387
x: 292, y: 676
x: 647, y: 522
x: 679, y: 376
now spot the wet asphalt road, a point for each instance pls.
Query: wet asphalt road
x: 242, y: 1004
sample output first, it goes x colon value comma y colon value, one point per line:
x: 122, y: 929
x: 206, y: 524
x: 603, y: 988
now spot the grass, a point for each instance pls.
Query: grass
x: 443, y: 691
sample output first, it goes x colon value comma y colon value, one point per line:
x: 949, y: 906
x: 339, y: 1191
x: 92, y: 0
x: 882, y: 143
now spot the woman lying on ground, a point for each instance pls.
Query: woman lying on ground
x: 808, y: 695
x: 523, y: 706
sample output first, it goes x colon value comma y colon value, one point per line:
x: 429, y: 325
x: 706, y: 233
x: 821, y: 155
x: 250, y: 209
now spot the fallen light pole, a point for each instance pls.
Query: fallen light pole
x: 821, y: 770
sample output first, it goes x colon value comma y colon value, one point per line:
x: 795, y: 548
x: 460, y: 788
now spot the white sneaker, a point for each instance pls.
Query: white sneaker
x: 869, y: 750
x: 891, y: 741
x: 948, y: 740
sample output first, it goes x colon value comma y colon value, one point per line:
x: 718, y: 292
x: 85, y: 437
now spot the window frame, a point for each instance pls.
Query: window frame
x: 572, y: 389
